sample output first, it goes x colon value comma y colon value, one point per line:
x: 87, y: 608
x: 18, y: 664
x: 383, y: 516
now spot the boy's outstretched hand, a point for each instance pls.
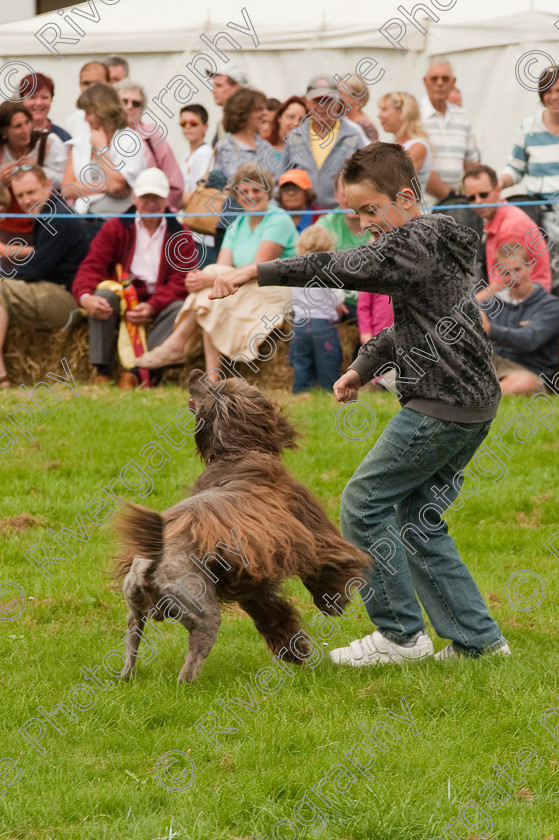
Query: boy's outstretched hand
x: 345, y: 389
x: 228, y: 282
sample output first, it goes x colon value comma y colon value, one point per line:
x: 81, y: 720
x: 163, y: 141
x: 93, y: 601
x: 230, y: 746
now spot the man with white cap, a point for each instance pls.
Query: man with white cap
x: 324, y: 139
x: 142, y: 246
x: 227, y: 80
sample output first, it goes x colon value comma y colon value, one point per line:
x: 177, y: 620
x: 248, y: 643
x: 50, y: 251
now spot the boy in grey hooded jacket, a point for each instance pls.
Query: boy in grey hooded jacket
x: 394, y: 505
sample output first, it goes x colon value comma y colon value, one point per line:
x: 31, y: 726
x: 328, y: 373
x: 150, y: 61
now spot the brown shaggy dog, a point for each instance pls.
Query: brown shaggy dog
x: 246, y: 527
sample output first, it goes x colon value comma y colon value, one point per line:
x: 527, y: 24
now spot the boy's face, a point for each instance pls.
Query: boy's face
x: 377, y: 212
x: 341, y: 199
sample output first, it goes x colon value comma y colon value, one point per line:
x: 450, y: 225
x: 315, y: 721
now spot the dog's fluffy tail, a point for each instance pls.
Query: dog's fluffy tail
x: 141, y: 535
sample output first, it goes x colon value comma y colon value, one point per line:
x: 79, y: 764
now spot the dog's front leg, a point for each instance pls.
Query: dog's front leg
x: 133, y: 638
x: 276, y: 619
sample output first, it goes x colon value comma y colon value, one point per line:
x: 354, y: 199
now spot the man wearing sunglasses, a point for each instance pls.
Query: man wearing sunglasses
x: 453, y: 144
x: 35, y: 289
x: 505, y: 223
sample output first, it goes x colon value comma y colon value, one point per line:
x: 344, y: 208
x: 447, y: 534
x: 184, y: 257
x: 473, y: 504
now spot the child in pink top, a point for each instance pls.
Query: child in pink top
x: 374, y: 313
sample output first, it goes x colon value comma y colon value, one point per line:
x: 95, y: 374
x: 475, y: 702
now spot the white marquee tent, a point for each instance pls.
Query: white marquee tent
x: 295, y: 40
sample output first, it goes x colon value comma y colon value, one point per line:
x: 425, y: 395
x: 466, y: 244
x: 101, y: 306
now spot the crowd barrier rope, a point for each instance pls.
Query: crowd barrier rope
x: 314, y: 212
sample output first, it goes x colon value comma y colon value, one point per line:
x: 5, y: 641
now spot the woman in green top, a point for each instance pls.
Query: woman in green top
x: 234, y: 327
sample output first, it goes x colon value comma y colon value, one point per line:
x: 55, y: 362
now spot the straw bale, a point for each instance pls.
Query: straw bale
x: 31, y: 354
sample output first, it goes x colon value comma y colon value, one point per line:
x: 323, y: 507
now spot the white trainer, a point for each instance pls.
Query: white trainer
x: 449, y: 652
x: 376, y: 649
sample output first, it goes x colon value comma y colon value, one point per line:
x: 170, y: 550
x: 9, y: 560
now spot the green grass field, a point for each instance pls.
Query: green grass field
x: 431, y: 775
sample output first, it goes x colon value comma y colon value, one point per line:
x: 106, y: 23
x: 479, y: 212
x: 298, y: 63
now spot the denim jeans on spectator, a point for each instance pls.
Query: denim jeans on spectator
x: 315, y: 354
x: 390, y: 490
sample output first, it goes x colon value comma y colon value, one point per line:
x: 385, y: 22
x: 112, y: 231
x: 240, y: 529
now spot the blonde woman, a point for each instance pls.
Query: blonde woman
x: 355, y: 94
x: 399, y: 115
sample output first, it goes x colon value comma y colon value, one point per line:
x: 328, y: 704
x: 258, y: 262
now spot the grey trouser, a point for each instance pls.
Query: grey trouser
x: 103, y: 334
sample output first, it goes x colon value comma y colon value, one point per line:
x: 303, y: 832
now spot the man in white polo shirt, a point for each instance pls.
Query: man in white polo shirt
x: 453, y: 144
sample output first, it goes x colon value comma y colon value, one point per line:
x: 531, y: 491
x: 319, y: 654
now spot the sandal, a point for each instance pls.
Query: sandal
x: 5, y: 382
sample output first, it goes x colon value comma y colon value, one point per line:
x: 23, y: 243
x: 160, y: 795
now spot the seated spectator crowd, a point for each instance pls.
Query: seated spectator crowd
x: 110, y: 226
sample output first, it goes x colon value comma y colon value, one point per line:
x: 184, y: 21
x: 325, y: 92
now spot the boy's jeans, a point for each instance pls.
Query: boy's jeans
x: 389, y: 509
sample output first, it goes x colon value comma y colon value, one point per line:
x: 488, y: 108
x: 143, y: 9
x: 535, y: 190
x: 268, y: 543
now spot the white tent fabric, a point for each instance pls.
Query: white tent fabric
x: 517, y: 29
x: 170, y: 25
x: 160, y: 37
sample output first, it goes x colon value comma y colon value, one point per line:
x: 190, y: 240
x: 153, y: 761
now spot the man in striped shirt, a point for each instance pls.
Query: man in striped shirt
x: 453, y: 145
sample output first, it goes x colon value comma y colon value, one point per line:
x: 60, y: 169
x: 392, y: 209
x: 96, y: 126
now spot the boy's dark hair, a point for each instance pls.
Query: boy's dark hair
x: 199, y: 110
x: 482, y: 169
x: 386, y: 165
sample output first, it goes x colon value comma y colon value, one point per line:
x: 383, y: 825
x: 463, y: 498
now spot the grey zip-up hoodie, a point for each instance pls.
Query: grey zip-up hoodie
x: 440, y: 351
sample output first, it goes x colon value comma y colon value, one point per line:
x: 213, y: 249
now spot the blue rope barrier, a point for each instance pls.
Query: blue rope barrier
x: 315, y: 212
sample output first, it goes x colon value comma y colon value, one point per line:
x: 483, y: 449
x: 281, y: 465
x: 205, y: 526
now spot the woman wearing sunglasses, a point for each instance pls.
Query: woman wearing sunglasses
x: 157, y: 153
